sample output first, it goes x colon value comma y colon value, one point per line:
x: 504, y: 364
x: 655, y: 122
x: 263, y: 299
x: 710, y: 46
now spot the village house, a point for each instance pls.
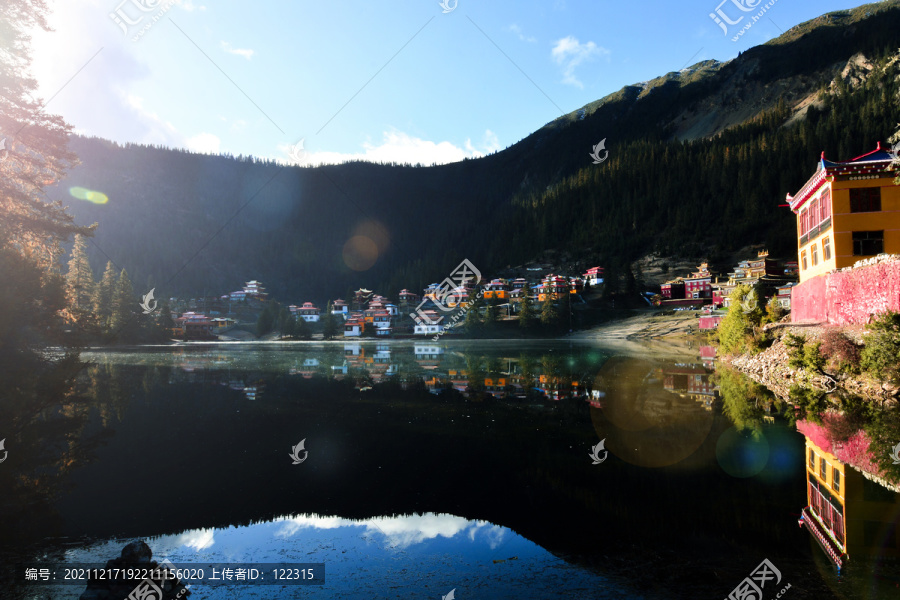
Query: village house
x: 594, y: 276
x: 429, y: 325
x: 361, y: 298
x: 783, y: 295
x: 354, y: 327
x: 763, y: 270
x: 407, y: 297
x: 698, y: 285
x: 497, y: 289
x: 194, y: 326
x: 672, y: 290
x: 308, y: 312
x: 339, y: 307
x: 552, y: 286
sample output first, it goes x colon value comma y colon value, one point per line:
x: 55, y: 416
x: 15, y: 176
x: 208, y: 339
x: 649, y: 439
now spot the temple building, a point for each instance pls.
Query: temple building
x: 846, y: 212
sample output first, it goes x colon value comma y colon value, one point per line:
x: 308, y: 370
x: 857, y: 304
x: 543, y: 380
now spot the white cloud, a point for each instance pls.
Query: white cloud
x: 514, y: 28
x: 569, y: 53
x: 245, y: 52
x: 189, y: 6
x: 204, y: 142
x: 402, y: 148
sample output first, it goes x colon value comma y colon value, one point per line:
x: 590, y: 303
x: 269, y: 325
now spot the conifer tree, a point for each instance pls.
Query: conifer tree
x: 123, y: 322
x: 526, y: 310
x: 329, y: 323
x: 103, y: 297
x: 549, y: 314
x: 80, y: 280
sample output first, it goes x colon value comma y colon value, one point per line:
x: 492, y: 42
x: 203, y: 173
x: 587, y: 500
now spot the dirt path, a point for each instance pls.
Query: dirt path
x: 649, y: 325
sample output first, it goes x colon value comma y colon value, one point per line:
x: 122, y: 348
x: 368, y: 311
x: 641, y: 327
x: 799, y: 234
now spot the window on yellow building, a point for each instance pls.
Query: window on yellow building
x: 825, y: 204
x: 868, y: 243
x: 815, y: 254
x: 836, y: 479
x: 826, y: 249
x: 865, y: 199
x: 822, y: 472
x: 803, y: 260
x: 812, y: 460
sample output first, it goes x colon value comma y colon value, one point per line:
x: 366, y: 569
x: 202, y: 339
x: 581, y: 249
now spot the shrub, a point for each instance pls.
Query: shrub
x: 804, y: 356
x: 881, y: 355
x: 735, y: 328
x: 842, y: 353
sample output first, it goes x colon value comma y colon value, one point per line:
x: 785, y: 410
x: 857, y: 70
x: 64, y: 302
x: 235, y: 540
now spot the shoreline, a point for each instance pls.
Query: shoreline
x: 770, y: 368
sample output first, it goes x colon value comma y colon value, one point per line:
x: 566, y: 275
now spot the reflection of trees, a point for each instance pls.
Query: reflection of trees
x: 475, y: 371
x: 43, y: 420
x: 744, y: 400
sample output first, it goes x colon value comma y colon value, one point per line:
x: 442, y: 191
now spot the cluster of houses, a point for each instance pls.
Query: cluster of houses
x: 375, y: 314
x: 703, y: 287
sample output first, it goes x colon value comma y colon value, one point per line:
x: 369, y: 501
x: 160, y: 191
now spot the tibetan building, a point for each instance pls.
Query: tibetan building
x: 846, y: 212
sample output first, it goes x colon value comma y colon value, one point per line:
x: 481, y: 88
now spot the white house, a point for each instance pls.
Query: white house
x: 308, y: 312
x: 353, y: 328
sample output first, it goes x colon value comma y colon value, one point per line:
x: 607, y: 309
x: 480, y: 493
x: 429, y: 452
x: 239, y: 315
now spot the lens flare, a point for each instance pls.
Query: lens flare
x: 360, y: 253
x: 88, y: 195
x: 742, y: 453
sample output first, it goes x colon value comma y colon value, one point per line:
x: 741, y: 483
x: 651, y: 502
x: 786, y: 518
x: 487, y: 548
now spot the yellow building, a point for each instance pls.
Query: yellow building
x: 848, y: 514
x: 846, y: 212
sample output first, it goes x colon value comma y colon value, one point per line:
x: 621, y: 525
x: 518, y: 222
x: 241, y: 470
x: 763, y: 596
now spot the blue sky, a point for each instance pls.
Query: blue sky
x: 387, y: 81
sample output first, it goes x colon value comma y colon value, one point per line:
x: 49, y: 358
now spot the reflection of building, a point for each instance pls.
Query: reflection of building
x: 848, y: 514
x: 428, y: 357
x: 692, y: 381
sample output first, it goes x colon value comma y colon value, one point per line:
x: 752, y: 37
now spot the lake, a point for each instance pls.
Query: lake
x: 417, y: 470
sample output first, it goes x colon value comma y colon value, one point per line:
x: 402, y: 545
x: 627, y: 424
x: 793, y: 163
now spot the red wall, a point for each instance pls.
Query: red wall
x: 848, y: 296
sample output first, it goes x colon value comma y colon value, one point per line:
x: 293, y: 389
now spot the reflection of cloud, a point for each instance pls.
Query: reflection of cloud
x: 401, y: 531
x: 196, y: 539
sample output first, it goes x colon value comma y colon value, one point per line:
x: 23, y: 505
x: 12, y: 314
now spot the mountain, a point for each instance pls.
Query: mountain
x: 699, y: 161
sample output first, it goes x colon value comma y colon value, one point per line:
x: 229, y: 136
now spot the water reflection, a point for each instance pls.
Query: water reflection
x: 367, y: 557
x: 481, y: 447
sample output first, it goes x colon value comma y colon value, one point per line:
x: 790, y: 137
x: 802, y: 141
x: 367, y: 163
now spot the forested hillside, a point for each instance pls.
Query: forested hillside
x: 698, y: 163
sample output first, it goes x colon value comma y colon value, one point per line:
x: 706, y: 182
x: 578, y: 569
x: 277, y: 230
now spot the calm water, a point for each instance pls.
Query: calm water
x: 426, y: 468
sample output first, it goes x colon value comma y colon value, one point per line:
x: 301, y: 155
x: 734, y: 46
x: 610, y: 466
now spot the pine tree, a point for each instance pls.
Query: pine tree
x: 266, y: 321
x: 80, y: 280
x: 303, y: 330
x: 490, y: 313
x: 473, y: 322
x: 565, y: 310
x: 103, y: 297
x: 288, y: 323
x: 526, y: 310
x: 123, y: 321
x: 329, y: 323
x: 549, y: 314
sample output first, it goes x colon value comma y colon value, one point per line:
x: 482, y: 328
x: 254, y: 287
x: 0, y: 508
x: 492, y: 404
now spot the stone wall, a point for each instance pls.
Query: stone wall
x: 849, y: 295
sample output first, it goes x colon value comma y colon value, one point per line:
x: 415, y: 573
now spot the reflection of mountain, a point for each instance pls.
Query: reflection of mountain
x: 522, y: 465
